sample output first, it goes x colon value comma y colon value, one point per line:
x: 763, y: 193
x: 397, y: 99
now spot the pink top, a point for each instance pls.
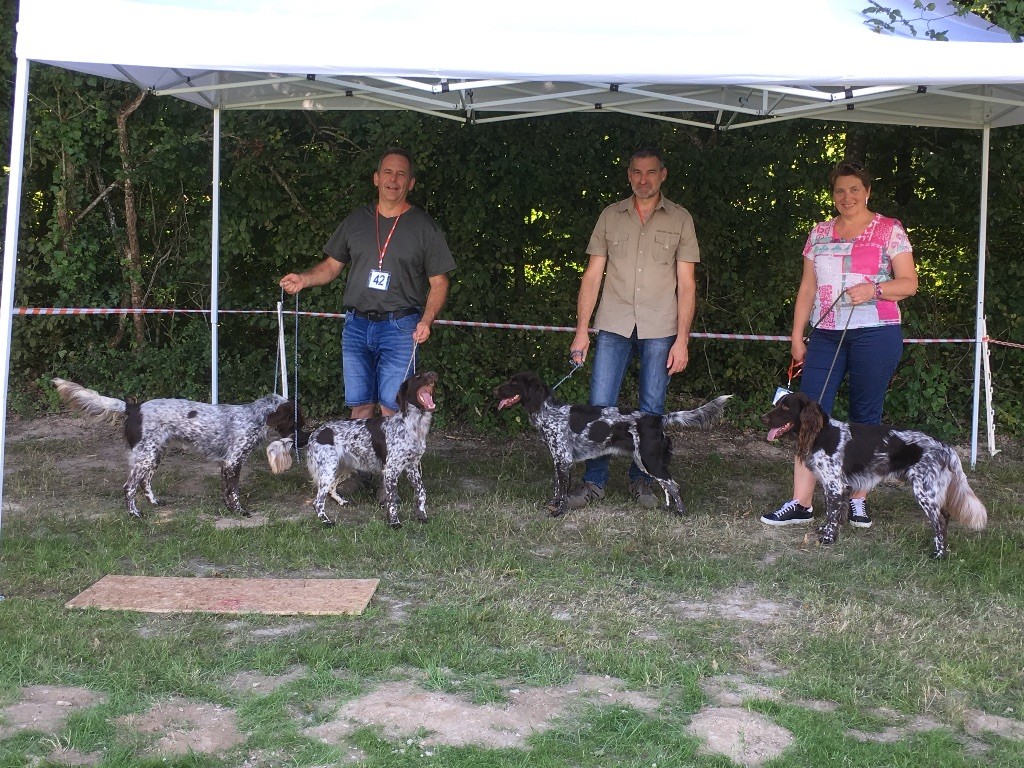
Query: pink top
x: 839, y: 264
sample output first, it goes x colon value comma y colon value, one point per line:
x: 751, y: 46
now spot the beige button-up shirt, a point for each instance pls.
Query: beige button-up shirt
x: 640, y: 275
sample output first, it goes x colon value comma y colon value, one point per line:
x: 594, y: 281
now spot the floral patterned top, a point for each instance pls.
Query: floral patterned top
x: 839, y: 264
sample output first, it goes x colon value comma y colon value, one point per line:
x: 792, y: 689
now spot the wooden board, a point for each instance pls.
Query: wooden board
x: 153, y: 594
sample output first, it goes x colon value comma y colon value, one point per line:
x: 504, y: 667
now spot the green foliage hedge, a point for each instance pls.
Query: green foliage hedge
x: 517, y: 201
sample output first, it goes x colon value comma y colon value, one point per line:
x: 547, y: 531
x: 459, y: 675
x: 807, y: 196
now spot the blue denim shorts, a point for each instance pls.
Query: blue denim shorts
x: 376, y: 358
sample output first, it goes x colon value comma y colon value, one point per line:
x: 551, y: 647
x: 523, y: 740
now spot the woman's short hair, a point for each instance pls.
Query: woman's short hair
x: 849, y: 168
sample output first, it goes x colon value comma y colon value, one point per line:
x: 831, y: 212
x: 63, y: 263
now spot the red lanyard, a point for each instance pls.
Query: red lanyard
x: 387, y: 241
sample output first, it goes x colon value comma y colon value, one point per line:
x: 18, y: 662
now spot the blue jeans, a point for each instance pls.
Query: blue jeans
x: 375, y: 358
x: 612, y: 356
x: 868, y: 355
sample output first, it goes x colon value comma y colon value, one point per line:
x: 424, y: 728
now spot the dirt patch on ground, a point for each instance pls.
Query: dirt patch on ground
x: 741, y: 604
x: 734, y: 690
x: 894, y: 733
x: 403, y: 709
x: 180, y: 726
x: 45, y: 708
x: 257, y: 683
x: 745, y: 737
x: 977, y: 722
x: 418, y: 720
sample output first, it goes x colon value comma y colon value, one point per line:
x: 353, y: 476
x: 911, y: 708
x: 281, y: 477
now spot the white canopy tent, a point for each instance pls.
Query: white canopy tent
x: 752, y: 63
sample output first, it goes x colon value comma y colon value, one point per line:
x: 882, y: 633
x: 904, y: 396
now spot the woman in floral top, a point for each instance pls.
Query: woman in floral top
x: 857, y: 266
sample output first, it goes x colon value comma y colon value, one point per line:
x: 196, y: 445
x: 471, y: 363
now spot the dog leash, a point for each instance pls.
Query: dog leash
x: 279, y: 360
x: 835, y: 357
x: 281, y: 365
x: 839, y: 346
x: 795, y: 368
x: 575, y: 367
x: 295, y: 401
x: 411, y: 367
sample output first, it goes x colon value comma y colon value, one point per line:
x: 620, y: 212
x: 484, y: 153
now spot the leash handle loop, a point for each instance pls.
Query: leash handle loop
x: 795, y: 369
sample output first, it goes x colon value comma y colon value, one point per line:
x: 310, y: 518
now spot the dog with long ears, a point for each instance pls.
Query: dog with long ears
x: 381, y: 445
x: 221, y: 433
x: 857, y: 457
x: 574, y: 433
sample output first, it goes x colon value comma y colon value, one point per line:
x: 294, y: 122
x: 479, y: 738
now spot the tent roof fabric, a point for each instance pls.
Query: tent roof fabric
x: 752, y: 62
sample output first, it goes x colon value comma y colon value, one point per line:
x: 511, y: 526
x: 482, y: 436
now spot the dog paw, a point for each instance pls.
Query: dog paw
x: 325, y: 520
x: 394, y: 525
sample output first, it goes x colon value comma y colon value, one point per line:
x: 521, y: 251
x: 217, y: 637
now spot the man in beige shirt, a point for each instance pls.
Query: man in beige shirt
x: 644, y: 249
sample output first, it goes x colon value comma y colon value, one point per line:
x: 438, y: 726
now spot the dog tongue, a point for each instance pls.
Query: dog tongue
x: 774, y: 432
x: 508, y: 402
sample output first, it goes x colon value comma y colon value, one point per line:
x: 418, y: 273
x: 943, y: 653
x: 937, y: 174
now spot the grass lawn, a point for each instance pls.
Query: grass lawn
x: 499, y: 636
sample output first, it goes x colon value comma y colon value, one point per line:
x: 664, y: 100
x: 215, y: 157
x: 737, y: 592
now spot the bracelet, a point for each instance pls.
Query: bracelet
x: 878, y: 291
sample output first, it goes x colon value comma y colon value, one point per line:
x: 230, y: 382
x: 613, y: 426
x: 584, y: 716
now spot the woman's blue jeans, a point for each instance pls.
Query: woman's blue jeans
x: 869, y: 356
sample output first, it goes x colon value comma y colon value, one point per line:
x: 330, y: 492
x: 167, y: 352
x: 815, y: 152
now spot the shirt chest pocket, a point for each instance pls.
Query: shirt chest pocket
x: 665, y: 246
x: 616, y: 243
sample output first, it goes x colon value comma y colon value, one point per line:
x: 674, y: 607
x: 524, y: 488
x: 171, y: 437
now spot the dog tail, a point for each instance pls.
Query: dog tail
x: 705, y: 416
x: 961, y: 503
x: 90, y: 402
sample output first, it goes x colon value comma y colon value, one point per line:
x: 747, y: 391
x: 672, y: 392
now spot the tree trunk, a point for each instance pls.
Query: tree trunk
x: 132, y: 259
x: 856, y: 145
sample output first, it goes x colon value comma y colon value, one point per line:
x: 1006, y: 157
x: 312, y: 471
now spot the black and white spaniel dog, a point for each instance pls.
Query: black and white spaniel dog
x: 382, y: 445
x: 857, y: 457
x: 574, y: 433
x: 222, y: 433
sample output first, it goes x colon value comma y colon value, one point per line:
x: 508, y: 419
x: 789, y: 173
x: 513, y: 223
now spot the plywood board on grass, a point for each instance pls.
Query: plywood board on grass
x: 283, y: 597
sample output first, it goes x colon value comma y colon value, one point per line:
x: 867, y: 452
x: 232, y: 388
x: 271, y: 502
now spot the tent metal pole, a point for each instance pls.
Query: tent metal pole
x: 17, y: 172
x: 215, y: 260
x: 979, y: 318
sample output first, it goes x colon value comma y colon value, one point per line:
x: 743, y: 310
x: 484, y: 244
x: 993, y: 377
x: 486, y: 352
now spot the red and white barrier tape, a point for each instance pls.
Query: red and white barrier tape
x: 39, y: 311
x: 1004, y: 343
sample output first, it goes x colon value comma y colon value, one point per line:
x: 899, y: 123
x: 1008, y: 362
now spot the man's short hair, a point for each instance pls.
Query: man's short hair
x: 401, y: 153
x: 648, y: 151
